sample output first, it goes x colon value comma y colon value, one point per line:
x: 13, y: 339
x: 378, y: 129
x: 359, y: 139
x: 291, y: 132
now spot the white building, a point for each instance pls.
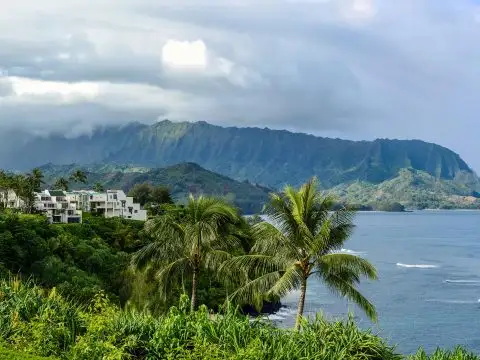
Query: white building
x: 57, y: 207
x: 66, y: 207
x: 112, y: 203
x: 8, y: 199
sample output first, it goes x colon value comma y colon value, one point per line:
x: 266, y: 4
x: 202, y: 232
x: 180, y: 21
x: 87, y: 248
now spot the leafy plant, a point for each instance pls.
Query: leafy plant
x: 302, y: 241
x: 185, y: 245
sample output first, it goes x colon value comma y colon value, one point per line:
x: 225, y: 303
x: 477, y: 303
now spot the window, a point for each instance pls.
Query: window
x: 136, y: 211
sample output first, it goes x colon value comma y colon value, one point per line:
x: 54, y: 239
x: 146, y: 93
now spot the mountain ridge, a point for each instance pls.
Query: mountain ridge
x: 265, y: 156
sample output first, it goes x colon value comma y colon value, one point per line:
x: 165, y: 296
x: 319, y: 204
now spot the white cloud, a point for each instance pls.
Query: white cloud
x: 29, y: 89
x: 355, y: 10
x: 185, y: 54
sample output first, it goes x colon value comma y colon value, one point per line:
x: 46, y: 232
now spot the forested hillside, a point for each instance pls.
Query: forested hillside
x: 268, y: 157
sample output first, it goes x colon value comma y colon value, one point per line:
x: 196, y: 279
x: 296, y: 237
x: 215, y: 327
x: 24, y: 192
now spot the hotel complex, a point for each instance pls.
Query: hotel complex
x: 67, y: 207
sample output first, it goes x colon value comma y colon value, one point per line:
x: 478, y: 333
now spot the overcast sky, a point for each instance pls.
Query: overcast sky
x: 356, y: 69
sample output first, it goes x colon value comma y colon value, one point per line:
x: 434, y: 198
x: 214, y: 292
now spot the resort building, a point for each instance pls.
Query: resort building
x: 112, y: 203
x: 57, y: 207
x: 8, y: 199
x: 67, y: 207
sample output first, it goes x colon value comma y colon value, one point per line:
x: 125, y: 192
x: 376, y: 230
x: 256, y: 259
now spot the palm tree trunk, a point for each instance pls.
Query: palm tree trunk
x: 301, y: 304
x: 193, y: 303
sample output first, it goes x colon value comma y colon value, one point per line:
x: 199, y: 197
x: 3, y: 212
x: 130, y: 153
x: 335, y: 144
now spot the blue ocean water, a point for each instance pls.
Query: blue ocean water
x: 428, y: 293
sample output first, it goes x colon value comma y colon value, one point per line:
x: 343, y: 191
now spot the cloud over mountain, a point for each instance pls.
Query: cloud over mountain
x: 351, y: 68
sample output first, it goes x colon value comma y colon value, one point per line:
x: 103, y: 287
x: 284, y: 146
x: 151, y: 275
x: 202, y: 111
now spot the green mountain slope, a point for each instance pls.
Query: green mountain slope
x: 181, y: 179
x: 413, y: 189
x: 270, y: 157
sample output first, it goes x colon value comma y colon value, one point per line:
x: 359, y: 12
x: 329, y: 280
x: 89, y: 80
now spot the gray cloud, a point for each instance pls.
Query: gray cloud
x: 351, y: 68
x: 5, y: 87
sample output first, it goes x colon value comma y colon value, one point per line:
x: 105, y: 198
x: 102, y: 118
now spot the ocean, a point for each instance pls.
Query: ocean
x: 428, y: 292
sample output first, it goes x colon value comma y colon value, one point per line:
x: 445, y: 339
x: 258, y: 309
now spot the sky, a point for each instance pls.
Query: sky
x: 357, y: 69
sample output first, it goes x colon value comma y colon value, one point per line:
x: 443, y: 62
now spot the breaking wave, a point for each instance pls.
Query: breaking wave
x: 417, y: 266
x: 454, y: 301
x: 466, y: 282
x: 352, y: 252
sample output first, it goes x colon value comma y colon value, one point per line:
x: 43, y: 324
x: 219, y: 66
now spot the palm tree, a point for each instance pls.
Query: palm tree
x: 98, y: 187
x: 37, y: 179
x: 187, y: 241
x: 79, y: 176
x: 61, y: 184
x: 303, y: 240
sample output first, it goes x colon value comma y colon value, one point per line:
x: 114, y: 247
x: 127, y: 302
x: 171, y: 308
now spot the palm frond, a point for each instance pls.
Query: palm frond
x: 170, y: 273
x: 334, y: 263
x: 271, y: 241
x: 255, y: 265
x: 214, y: 259
x: 290, y: 280
x: 254, y: 291
x: 340, y: 286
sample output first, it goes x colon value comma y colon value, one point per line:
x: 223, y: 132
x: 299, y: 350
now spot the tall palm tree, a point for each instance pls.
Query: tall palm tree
x: 79, y: 176
x: 302, y: 241
x: 188, y: 241
x: 61, y: 184
x: 36, y: 177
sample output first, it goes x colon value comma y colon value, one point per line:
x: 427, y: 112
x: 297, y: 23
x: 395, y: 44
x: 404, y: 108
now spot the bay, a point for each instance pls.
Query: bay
x: 428, y: 292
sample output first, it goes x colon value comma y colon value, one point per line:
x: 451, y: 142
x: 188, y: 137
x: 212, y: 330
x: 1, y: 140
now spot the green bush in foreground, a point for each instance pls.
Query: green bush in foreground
x: 457, y: 354
x: 14, y: 355
x: 42, y: 323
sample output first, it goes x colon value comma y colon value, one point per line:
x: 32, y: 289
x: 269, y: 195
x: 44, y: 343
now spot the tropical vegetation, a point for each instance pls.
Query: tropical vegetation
x: 110, y: 288
x: 42, y: 322
x: 302, y: 240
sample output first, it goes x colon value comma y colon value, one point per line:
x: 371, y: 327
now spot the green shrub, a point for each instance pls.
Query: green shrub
x: 43, y: 323
x: 14, y: 355
x: 457, y: 354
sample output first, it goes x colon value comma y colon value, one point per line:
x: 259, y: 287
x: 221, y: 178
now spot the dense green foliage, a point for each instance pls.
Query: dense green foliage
x: 184, y: 245
x: 80, y: 259
x: 152, y: 198
x: 265, y: 156
x: 92, y: 304
x: 43, y: 323
x: 21, y: 186
x: 181, y: 180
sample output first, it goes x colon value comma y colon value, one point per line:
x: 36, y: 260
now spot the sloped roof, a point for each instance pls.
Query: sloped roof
x: 56, y: 193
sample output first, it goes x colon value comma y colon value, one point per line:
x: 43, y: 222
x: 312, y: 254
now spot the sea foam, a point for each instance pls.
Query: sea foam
x: 418, y: 266
x: 444, y: 301
x: 352, y: 252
